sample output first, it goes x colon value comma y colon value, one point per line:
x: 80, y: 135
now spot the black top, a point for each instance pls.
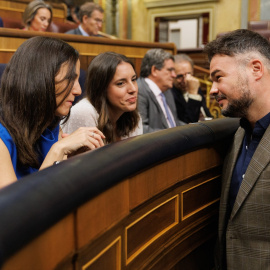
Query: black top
x: 189, y: 112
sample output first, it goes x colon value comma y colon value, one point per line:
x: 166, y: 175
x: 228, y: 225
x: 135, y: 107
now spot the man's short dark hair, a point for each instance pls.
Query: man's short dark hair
x: 238, y: 42
x: 88, y: 8
x: 154, y: 57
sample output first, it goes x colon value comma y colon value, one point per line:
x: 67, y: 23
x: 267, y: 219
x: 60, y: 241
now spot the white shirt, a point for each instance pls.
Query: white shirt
x: 83, y: 32
x: 197, y: 97
x: 156, y: 91
x: 83, y: 114
x: 188, y: 96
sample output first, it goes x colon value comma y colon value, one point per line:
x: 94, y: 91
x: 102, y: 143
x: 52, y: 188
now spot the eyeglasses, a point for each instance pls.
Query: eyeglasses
x: 98, y: 21
x: 182, y: 76
x: 171, y: 69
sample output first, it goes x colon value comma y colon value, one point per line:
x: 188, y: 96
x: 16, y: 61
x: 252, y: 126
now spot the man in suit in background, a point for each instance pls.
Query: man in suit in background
x: 240, y: 70
x: 189, y: 100
x: 156, y: 104
x: 91, y: 18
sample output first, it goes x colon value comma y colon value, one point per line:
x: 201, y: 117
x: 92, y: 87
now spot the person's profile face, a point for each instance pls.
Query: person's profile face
x: 94, y: 23
x: 64, y: 103
x: 230, y: 86
x: 181, y: 71
x: 166, y: 75
x: 41, y: 21
x: 122, y: 91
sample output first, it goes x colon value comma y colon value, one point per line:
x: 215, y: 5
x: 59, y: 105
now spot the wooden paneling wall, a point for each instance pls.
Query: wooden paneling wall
x: 161, y: 207
x: 150, y: 221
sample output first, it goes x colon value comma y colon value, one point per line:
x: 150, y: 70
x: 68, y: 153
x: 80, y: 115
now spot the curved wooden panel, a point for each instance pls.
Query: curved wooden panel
x: 146, y: 202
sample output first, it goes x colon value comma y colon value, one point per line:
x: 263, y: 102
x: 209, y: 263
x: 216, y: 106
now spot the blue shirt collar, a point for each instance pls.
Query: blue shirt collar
x: 260, y: 126
x: 83, y: 32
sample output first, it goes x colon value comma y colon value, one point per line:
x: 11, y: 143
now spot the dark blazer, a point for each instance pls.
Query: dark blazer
x: 77, y: 31
x: 189, y: 112
x: 244, y: 235
x: 152, y: 115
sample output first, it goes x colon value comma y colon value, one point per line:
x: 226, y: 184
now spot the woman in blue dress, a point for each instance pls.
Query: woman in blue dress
x: 37, y: 90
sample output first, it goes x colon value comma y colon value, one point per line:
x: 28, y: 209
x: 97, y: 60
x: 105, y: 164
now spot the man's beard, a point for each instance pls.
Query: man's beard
x: 238, y: 107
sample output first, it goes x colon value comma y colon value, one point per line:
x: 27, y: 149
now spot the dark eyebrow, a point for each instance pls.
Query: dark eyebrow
x: 214, y: 73
x: 121, y: 79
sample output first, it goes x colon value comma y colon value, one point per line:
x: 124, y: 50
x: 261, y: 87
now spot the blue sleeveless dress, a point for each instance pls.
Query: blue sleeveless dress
x: 45, y: 142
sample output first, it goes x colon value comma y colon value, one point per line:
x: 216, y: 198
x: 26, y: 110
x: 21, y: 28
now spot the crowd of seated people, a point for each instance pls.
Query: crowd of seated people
x: 39, y: 124
x: 31, y: 107
x: 38, y: 16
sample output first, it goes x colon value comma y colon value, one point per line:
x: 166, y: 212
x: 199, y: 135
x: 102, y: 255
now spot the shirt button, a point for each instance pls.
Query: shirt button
x: 243, y: 176
x: 246, y: 147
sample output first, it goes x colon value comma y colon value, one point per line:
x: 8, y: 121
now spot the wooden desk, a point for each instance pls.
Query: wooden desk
x: 148, y: 202
x: 88, y: 47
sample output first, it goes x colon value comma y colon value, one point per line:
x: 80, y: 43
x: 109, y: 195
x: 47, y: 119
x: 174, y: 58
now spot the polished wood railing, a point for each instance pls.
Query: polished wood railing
x: 88, y: 47
x: 148, y: 202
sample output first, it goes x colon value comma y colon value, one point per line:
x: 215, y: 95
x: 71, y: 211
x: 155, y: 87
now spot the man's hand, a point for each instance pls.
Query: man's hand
x: 193, y: 84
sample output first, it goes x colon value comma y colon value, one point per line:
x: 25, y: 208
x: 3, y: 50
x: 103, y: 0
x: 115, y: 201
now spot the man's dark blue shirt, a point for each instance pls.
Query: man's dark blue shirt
x: 250, y: 142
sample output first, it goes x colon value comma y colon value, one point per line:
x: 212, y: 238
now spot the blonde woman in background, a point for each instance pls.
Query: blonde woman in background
x: 37, y: 16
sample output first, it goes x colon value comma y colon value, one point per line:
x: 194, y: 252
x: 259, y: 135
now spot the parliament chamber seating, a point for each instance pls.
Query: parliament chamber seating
x: 11, y: 14
x: 88, y: 47
x: 56, y: 26
x: 148, y: 202
x: 136, y: 204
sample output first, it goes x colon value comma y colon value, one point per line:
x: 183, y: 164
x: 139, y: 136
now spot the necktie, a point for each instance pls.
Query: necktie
x: 169, y: 117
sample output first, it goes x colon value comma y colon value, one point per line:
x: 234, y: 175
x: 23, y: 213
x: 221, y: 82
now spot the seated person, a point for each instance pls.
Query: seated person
x: 156, y: 104
x: 72, y: 11
x: 111, y: 99
x: 91, y: 18
x: 81, y: 81
x: 37, y: 16
x: 38, y: 88
x: 189, y: 100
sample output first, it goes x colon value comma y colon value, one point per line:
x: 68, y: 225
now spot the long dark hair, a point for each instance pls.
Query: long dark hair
x: 100, y: 73
x: 27, y: 93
